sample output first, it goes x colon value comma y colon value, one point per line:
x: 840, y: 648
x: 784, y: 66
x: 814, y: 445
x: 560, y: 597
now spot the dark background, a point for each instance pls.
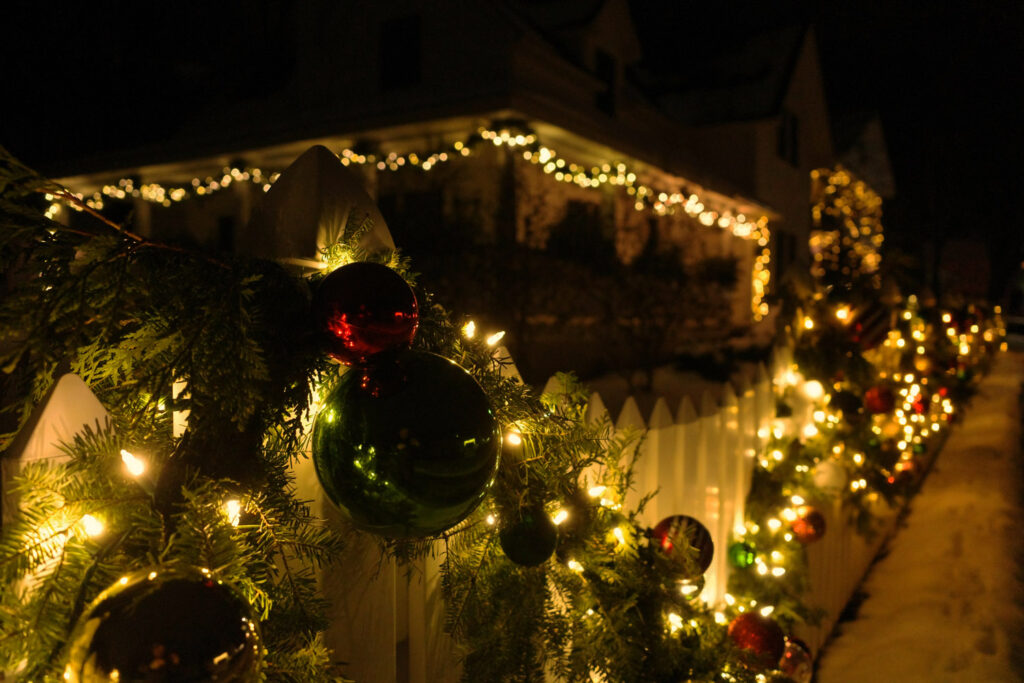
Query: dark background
x: 945, y: 77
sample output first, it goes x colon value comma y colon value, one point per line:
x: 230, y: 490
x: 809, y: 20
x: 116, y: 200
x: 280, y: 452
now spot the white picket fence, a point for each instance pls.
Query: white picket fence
x: 388, y: 621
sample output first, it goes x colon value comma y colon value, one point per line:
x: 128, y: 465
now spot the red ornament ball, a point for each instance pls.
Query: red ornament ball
x: 797, y: 662
x: 879, y: 399
x: 365, y: 310
x: 809, y: 526
x: 760, y: 636
x: 687, y: 541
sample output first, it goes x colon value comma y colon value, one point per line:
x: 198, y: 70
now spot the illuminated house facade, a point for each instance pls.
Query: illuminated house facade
x: 496, y: 125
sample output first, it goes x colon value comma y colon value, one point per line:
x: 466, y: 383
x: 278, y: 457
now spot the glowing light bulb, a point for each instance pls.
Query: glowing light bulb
x: 495, y: 338
x: 233, y: 510
x: 814, y: 390
x: 92, y: 526
x: 560, y: 516
x: 469, y: 330
x: 134, y: 465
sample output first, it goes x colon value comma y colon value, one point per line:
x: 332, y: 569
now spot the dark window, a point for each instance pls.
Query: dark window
x: 789, y: 141
x: 785, y: 254
x: 605, y: 69
x: 401, y: 46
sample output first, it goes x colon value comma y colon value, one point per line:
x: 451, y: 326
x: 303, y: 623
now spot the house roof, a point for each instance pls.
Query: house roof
x: 723, y: 65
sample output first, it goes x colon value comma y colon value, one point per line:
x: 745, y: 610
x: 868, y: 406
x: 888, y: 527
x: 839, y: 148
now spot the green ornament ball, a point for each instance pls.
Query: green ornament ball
x: 166, y: 624
x: 530, y: 540
x: 414, y: 459
x: 741, y: 555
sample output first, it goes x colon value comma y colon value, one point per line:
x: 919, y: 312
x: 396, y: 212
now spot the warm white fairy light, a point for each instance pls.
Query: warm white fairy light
x: 233, y: 510
x: 560, y: 516
x: 814, y: 390
x: 469, y: 330
x: 92, y: 526
x: 525, y: 144
x: 134, y: 465
x: 495, y: 338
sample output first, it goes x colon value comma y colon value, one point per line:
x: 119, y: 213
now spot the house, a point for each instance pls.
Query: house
x: 502, y: 125
x: 748, y: 87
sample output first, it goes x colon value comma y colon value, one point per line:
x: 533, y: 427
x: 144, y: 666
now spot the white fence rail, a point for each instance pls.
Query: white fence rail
x: 699, y: 457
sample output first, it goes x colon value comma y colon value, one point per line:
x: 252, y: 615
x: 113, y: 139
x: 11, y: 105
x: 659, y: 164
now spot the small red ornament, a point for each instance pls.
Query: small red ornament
x: 760, y: 636
x: 920, y: 406
x: 879, y: 399
x: 797, y: 662
x: 809, y: 526
x: 674, y: 534
x: 364, y: 310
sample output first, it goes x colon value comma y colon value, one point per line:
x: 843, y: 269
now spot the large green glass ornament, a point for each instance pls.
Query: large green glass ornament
x: 164, y: 624
x: 412, y: 459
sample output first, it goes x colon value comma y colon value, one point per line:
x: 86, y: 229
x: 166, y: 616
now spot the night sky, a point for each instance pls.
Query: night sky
x: 942, y: 75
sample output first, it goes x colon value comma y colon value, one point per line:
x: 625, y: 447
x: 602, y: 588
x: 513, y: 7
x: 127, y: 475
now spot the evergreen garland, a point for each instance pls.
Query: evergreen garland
x: 134, y: 317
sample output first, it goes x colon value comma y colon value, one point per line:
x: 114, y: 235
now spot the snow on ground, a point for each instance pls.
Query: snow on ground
x: 946, y: 603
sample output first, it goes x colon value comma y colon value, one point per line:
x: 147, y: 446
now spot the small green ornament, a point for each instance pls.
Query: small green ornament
x: 741, y: 555
x: 413, y: 459
x: 531, y: 539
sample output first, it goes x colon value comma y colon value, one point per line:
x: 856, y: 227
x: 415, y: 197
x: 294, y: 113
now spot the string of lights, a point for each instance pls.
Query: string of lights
x: 662, y: 202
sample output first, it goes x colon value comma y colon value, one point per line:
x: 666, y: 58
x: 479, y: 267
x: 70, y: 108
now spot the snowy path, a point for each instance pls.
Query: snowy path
x: 946, y: 603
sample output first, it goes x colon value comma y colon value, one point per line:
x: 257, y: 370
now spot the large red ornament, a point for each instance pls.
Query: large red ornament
x: 687, y: 541
x: 809, y: 526
x: 760, y: 636
x: 879, y: 399
x: 365, y: 310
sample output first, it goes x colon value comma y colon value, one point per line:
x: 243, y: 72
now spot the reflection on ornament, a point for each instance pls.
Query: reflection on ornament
x: 364, y: 310
x: 412, y: 461
x: 686, y: 541
x: 164, y: 624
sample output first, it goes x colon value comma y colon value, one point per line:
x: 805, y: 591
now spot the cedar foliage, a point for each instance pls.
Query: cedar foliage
x: 132, y: 317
